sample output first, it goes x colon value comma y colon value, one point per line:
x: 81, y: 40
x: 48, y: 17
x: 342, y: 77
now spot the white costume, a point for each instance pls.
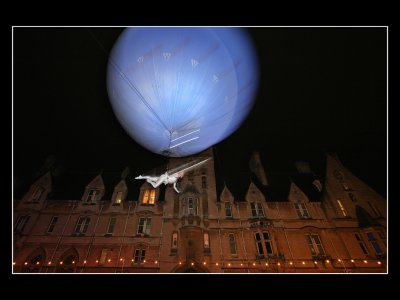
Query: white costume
x: 173, y: 176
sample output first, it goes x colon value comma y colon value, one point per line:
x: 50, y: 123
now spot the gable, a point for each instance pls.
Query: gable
x: 296, y: 194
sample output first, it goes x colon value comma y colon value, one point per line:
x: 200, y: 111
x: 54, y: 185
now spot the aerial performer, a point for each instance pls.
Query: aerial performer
x: 180, y: 90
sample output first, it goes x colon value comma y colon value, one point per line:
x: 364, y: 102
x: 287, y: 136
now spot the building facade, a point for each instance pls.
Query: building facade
x: 332, y: 225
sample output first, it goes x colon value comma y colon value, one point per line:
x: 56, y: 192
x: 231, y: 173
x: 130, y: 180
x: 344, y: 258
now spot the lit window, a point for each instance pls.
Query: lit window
x: 228, y: 210
x: 232, y: 243
x: 52, y: 224
x: 82, y: 225
x: 315, y: 244
x: 265, y: 240
x: 103, y: 256
x: 342, y: 209
x: 140, y: 255
x: 149, y: 196
x: 256, y: 209
x: 361, y: 243
x: 118, y: 197
x: 144, y: 226
x: 204, y: 182
x: 111, y: 225
x: 206, y: 238
x: 21, y: 222
x: 375, y: 244
x: 373, y: 208
x: 301, y: 210
x: 92, y: 195
x: 37, y: 194
x: 174, y: 244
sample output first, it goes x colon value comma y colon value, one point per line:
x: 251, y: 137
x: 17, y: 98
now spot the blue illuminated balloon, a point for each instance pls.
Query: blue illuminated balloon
x: 178, y: 91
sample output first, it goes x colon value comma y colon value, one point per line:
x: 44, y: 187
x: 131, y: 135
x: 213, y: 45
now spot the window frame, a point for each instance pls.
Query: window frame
x: 174, y: 240
x: 111, y: 224
x: 119, y: 197
x: 83, y: 223
x: 313, y: 245
x: 92, y: 195
x: 149, y: 197
x: 361, y: 243
x: 192, y: 205
x: 23, y: 219
x: 257, y: 210
x: 52, y: 224
x: 232, y: 244
x: 203, y: 181
x: 35, y: 197
x: 144, y: 228
x: 262, y: 242
x: 374, y: 242
x: 228, y: 208
x: 302, y: 210
x: 342, y: 208
x: 139, y: 255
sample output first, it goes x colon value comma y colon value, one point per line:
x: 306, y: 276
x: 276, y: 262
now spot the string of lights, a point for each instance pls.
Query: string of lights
x: 229, y: 263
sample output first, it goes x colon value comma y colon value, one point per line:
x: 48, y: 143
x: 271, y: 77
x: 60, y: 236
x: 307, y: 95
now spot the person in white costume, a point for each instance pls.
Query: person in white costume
x: 172, y: 176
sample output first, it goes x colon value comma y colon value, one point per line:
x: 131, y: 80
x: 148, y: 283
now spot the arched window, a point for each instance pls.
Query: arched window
x: 33, y: 264
x: 68, y: 262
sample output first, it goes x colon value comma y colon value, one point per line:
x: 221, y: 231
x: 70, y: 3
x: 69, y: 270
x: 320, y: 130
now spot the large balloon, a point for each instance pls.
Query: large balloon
x: 178, y: 91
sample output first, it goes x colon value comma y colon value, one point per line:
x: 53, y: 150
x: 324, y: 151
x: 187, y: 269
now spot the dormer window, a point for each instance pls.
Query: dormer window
x: 118, y: 198
x: 92, y: 195
x: 301, y: 210
x: 149, y: 196
x: 256, y: 210
x: 37, y: 194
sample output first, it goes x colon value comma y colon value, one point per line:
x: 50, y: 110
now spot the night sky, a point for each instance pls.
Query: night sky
x: 321, y: 90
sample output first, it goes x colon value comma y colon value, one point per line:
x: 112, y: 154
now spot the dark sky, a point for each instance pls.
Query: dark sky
x: 321, y: 90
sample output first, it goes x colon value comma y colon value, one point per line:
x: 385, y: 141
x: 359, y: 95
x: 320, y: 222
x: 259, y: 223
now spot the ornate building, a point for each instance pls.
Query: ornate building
x: 219, y: 224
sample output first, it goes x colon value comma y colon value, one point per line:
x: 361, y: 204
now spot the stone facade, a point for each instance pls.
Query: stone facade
x: 205, y: 228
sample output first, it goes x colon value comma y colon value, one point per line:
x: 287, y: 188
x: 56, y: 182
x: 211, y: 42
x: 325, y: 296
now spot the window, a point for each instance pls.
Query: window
x: 301, y: 210
x: 92, y: 195
x: 37, y: 194
x: 144, y: 226
x: 373, y: 208
x: 203, y: 182
x: 259, y: 244
x: 315, y: 244
x: 140, y: 255
x: 232, y: 244
x: 111, y: 225
x: 382, y: 236
x: 342, y: 209
x: 118, y: 198
x: 192, y: 206
x: 361, y: 243
x: 82, y: 225
x: 352, y: 197
x: 149, y: 196
x: 265, y: 240
x: 174, y: 244
x: 21, y: 222
x: 103, y: 256
x: 256, y: 209
x: 52, y: 224
x: 228, y: 210
x: 373, y: 241
x: 206, y: 239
